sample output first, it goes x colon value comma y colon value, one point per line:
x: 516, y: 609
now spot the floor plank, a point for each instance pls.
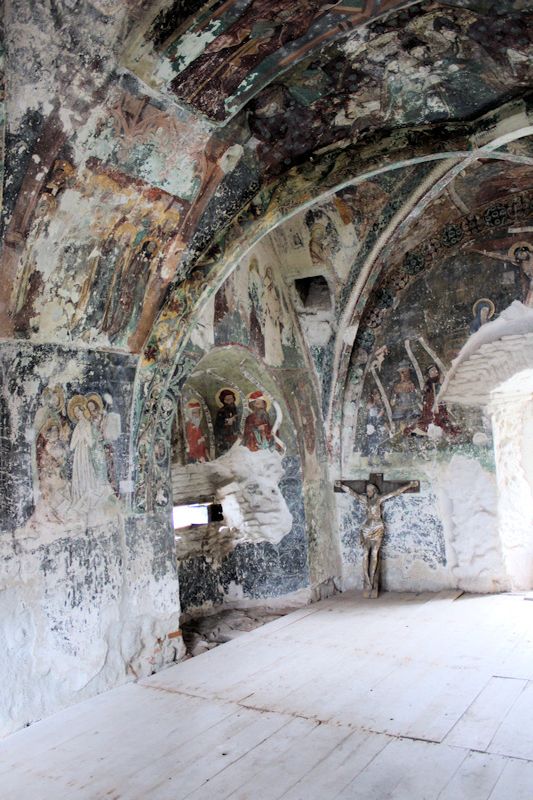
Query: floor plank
x: 482, y: 719
x: 475, y: 779
x: 420, y: 696
x: 514, y: 736
x: 515, y: 782
x: 405, y: 770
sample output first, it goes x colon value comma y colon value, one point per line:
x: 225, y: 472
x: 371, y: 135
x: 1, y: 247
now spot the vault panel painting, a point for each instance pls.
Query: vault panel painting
x: 95, y: 284
x: 218, y: 60
x: 400, y: 419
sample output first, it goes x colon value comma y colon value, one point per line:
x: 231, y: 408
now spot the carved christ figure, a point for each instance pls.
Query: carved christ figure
x: 372, y: 530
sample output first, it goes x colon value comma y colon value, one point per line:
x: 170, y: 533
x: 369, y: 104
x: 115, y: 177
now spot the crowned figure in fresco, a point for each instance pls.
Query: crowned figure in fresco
x: 196, y: 440
x: 52, y: 471
x: 226, y: 421
x: 257, y: 426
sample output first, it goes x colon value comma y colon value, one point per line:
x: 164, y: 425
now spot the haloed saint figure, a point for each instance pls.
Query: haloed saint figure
x: 226, y: 421
x: 258, y: 427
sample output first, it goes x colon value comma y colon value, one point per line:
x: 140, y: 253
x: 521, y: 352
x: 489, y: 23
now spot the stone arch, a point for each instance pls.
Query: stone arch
x: 299, y: 189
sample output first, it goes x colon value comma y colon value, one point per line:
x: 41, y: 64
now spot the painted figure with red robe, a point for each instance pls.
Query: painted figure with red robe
x: 257, y: 426
x: 432, y: 413
x: 196, y: 441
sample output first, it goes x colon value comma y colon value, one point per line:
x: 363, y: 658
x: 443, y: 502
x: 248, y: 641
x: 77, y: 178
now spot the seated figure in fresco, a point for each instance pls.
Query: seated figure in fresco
x: 226, y: 422
x: 258, y: 427
x: 196, y: 443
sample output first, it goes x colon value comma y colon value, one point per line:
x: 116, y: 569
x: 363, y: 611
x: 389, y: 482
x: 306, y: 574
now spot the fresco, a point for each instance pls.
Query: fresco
x: 123, y: 251
x: 227, y: 420
x: 198, y: 431
x: 209, y: 431
x: 74, y: 453
x: 130, y: 198
x: 432, y: 60
x: 259, y: 432
x: 256, y: 472
x: 400, y: 411
x: 225, y: 54
x: 253, y: 303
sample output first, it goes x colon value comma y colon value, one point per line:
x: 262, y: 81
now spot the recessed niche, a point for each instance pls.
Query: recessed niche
x: 314, y: 293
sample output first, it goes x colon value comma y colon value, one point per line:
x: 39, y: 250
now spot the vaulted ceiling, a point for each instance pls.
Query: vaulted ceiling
x: 148, y: 147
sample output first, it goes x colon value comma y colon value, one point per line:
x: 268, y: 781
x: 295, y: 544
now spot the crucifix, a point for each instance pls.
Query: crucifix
x: 372, y: 493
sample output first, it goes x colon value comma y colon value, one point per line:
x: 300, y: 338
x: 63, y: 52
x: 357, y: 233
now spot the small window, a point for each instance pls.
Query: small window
x: 196, y: 514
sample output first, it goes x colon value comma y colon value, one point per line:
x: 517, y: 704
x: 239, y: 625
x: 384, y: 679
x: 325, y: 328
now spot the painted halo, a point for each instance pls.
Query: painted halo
x: 518, y: 246
x: 55, y: 391
x: 259, y: 395
x: 486, y: 302
x: 78, y: 401
x: 94, y: 397
x: 225, y: 389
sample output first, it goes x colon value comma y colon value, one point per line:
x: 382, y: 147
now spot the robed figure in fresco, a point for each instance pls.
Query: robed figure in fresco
x: 226, y: 421
x: 377, y: 429
x: 372, y: 530
x: 84, y: 479
x: 405, y: 400
x: 52, y: 457
x: 257, y: 426
x: 196, y: 442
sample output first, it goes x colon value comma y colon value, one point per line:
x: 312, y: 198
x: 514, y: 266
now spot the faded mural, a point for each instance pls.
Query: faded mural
x: 401, y: 418
x: 237, y: 434
x: 144, y: 323
x: 74, y: 453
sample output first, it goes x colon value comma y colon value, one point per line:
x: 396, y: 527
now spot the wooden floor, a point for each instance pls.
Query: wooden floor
x: 410, y: 697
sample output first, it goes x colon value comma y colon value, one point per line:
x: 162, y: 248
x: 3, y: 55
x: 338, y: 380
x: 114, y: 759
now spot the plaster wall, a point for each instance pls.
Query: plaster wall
x: 446, y: 537
x: 512, y: 417
x: 89, y: 593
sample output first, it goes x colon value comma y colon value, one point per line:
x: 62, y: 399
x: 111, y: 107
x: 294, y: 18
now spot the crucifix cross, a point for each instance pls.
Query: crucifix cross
x: 384, y: 487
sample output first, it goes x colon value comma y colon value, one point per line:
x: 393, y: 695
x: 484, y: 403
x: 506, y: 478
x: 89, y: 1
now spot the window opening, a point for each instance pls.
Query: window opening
x: 196, y: 514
